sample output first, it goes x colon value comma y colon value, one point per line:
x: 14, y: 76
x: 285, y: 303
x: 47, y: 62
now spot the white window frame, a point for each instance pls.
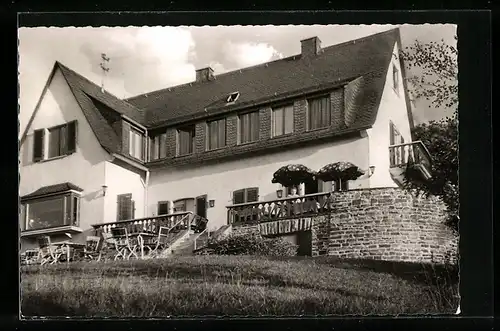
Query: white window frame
x: 68, y: 196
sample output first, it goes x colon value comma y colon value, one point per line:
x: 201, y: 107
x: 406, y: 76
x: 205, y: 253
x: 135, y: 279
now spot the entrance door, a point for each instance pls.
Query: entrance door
x: 311, y: 187
x: 201, y: 206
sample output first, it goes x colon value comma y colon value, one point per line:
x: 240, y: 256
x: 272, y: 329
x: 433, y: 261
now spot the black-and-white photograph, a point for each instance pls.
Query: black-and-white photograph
x: 294, y: 170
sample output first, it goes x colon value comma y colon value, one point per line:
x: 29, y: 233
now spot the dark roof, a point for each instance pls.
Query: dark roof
x: 100, y: 108
x: 367, y: 57
x: 360, y: 65
x: 51, y: 189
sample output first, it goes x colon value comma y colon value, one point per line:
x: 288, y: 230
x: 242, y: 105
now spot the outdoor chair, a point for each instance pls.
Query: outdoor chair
x: 47, y: 252
x: 123, y: 244
x: 93, y: 248
x: 159, y: 243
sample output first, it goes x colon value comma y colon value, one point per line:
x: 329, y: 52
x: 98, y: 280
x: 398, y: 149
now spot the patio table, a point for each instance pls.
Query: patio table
x: 140, y: 239
x: 66, y: 246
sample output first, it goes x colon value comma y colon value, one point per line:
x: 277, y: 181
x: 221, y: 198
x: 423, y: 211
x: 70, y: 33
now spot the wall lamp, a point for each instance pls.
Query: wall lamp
x: 371, y: 170
x: 211, y: 203
x: 279, y: 194
x: 104, y: 189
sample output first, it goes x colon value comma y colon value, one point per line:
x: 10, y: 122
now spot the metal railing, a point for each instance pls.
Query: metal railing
x: 286, y: 208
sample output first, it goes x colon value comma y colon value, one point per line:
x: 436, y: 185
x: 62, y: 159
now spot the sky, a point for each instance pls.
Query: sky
x: 143, y: 59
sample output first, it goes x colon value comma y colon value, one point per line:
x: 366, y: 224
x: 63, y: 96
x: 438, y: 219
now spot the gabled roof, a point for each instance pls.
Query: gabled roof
x: 101, y: 108
x: 360, y: 66
x: 52, y: 189
x: 368, y: 57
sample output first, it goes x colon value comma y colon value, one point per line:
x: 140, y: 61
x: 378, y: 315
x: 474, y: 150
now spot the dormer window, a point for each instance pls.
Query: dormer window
x: 232, y: 97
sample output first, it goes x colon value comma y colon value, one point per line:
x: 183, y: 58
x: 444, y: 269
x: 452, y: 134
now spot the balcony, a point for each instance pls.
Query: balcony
x: 280, y: 209
x: 412, y: 156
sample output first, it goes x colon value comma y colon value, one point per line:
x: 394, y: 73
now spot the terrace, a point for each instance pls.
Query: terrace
x: 280, y: 209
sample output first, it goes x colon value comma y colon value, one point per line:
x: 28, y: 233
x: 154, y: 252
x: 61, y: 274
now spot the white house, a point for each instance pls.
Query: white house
x: 88, y: 157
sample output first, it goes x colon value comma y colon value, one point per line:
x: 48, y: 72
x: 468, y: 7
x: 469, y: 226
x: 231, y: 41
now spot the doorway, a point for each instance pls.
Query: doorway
x: 311, y: 187
x: 201, y: 205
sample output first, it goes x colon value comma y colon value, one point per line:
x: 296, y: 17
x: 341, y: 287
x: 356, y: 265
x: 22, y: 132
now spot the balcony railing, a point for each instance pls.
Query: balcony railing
x: 286, y: 208
x: 411, y: 154
x: 151, y: 224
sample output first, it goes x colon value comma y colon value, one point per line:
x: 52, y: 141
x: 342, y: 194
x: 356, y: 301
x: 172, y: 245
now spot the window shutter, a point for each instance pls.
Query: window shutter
x: 125, y: 207
x: 38, y: 145
x: 163, y: 145
x: 252, y: 194
x: 238, y: 197
x: 132, y: 209
x: 71, y: 137
x: 391, y: 132
x: 222, y: 133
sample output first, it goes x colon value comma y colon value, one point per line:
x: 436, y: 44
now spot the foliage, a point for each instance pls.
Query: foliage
x: 437, y: 64
x: 440, y: 138
x: 231, y: 285
x: 437, y: 82
x: 250, y: 244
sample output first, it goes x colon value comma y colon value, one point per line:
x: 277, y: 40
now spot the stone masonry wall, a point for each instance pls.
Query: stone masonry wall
x: 382, y: 224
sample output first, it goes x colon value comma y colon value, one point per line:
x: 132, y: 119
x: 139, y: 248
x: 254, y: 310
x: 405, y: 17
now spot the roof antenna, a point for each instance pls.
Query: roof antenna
x: 104, y: 68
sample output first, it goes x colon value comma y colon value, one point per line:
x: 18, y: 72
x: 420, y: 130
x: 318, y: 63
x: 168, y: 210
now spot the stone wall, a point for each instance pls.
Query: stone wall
x: 382, y: 224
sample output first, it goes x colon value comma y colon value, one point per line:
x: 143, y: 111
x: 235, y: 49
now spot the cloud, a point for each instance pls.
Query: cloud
x: 247, y: 54
x: 141, y: 59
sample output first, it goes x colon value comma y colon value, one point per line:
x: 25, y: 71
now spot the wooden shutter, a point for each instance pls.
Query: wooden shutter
x: 221, y: 133
x: 38, y: 145
x: 239, y: 196
x: 252, y: 194
x: 125, y: 207
x: 71, y: 137
x: 391, y: 133
x: 255, y: 125
x: 163, y: 145
x: 278, y: 121
x: 288, y: 121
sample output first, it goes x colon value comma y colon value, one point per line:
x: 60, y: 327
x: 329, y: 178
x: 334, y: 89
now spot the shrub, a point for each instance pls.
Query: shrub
x: 249, y: 244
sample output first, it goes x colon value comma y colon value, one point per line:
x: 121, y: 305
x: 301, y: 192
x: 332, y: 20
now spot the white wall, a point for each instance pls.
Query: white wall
x: 121, y: 181
x: 392, y: 108
x: 85, y: 168
x: 219, y: 180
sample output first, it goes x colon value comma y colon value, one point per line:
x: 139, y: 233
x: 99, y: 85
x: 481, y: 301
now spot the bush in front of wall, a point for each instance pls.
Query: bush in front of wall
x: 251, y: 244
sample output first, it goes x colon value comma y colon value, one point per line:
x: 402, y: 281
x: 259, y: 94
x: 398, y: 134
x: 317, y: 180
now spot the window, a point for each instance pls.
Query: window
x: 163, y: 207
x: 216, y: 134
x: 61, y: 141
x: 282, y: 120
x: 245, y: 195
x: 185, y: 140
x: 232, y: 97
x: 158, y: 147
x: 319, y: 113
x: 181, y: 205
x: 339, y: 185
x: 395, y: 78
x: 126, y: 207
x: 136, y: 144
x: 50, y: 212
x: 397, y: 154
x: 249, y: 127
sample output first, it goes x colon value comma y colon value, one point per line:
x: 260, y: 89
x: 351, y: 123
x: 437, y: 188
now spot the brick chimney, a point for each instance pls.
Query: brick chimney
x: 204, y: 74
x: 310, y: 47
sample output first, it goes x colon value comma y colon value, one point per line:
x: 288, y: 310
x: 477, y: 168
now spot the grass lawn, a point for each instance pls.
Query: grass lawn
x: 236, y: 285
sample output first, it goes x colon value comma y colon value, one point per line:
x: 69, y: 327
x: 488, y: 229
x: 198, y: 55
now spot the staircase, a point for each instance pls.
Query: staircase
x: 185, y: 246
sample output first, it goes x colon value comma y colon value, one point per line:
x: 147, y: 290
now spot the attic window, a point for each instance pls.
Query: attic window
x: 232, y: 97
